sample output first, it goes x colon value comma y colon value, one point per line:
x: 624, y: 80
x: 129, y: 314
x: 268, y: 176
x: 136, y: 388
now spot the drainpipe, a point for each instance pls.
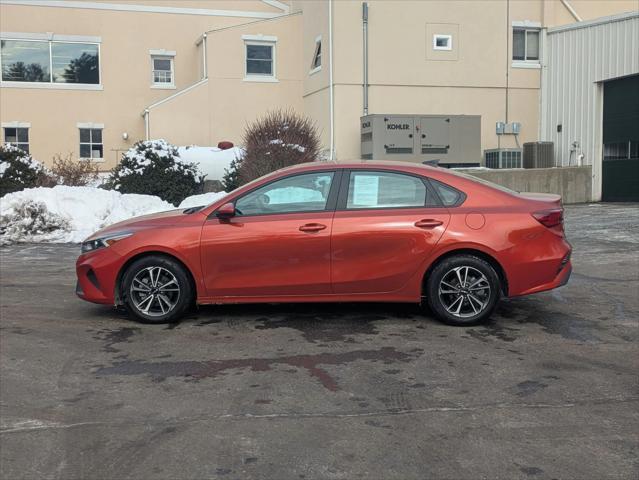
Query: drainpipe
x: 572, y: 11
x: 204, y: 65
x: 330, y: 78
x: 147, y: 131
x: 365, y: 43
x: 507, y: 54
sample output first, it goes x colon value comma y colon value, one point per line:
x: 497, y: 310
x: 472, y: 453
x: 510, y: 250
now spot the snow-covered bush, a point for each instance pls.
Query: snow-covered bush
x: 154, y: 168
x: 277, y: 140
x: 31, y: 219
x: 18, y: 170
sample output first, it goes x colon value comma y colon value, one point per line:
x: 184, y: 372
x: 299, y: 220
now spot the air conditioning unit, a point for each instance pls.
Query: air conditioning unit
x: 503, y: 158
x: 539, y: 155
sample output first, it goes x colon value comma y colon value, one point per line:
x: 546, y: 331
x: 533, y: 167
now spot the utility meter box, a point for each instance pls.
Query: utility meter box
x: 453, y: 140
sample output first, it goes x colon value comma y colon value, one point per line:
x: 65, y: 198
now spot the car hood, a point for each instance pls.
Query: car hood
x: 160, y: 219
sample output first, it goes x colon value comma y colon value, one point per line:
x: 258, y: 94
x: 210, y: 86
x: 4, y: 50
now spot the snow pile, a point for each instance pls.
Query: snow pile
x: 202, y: 199
x: 68, y: 214
x: 31, y: 219
x: 211, y: 161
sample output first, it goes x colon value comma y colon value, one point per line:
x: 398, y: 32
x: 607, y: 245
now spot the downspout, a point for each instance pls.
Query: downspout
x: 147, y: 130
x: 507, y: 54
x: 204, y: 64
x: 365, y: 43
x: 330, y: 79
x: 572, y: 11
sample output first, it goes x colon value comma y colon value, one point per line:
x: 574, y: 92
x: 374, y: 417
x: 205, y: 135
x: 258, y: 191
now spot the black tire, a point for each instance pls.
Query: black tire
x: 477, y: 302
x: 171, y: 275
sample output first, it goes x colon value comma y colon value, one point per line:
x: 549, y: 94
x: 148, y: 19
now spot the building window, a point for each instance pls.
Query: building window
x: 91, y: 147
x: 18, y: 137
x: 259, y: 59
x: 442, y: 42
x: 526, y: 44
x: 163, y: 70
x: 317, y: 56
x: 37, y: 61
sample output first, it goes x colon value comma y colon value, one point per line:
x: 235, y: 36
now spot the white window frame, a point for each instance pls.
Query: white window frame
x: 53, y: 38
x: 90, y: 126
x: 318, y: 44
x: 449, y: 41
x: 16, y: 125
x: 162, y: 55
x: 266, y: 40
x: 527, y: 26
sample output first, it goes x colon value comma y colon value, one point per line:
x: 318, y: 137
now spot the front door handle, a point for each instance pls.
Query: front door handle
x: 428, y: 223
x: 312, y: 227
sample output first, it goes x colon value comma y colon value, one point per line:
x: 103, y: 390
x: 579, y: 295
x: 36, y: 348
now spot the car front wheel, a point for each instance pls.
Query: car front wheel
x: 463, y: 290
x: 156, y: 289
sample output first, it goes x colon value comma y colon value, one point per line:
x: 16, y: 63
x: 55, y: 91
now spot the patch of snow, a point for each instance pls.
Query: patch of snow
x: 202, y: 199
x: 68, y: 214
x: 3, y: 167
x: 212, y: 161
x: 294, y: 146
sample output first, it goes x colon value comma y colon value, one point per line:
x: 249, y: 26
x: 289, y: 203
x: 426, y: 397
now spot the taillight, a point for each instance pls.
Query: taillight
x: 550, y: 218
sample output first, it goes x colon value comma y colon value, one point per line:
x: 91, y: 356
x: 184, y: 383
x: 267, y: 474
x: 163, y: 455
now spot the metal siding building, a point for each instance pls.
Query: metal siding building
x: 579, y: 58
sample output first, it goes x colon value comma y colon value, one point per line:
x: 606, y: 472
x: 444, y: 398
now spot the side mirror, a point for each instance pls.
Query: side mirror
x: 226, y: 211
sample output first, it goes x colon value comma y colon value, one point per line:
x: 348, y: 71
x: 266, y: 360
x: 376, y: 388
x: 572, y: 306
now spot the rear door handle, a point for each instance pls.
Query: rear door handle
x: 428, y: 223
x: 312, y: 227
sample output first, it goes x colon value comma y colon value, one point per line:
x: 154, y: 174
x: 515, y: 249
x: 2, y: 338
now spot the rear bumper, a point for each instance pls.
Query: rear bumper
x: 559, y: 281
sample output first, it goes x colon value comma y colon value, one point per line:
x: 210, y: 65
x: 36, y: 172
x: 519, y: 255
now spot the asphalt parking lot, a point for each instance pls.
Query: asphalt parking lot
x: 548, y: 389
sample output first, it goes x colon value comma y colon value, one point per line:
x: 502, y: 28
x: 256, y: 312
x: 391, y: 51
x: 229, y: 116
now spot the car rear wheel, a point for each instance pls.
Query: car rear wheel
x: 463, y: 290
x: 156, y: 289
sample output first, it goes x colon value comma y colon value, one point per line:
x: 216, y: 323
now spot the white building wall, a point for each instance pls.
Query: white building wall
x: 578, y: 58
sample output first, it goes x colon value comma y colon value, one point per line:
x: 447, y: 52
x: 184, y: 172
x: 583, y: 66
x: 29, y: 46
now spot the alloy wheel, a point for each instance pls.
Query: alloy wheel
x: 155, y: 291
x: 464, y: 291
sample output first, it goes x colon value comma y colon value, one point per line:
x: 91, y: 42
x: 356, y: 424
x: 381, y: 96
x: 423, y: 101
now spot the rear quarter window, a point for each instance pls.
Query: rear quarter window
x: 450, y: 197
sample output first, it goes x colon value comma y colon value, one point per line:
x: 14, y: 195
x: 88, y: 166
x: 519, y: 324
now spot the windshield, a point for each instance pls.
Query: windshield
x: 484, y: 182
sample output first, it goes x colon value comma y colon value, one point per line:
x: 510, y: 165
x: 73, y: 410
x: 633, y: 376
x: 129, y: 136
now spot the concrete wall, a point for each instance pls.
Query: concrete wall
x: 572, y: 183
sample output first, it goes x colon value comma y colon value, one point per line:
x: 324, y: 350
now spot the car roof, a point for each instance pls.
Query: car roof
x: 385, y: 164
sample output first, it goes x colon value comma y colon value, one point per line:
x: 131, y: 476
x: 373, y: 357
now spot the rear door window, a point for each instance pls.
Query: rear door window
x: 372, y: 189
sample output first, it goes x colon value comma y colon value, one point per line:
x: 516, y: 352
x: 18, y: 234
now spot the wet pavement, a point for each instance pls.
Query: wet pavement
x: 548, y: 389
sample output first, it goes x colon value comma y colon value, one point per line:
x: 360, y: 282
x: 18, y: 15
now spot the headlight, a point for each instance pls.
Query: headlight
x: 102, y: 242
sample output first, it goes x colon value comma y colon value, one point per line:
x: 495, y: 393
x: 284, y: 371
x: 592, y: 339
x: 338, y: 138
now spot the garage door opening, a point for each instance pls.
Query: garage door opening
x: 620, y: 167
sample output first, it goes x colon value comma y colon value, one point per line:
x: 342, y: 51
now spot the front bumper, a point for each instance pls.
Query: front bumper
x: 97, y: 274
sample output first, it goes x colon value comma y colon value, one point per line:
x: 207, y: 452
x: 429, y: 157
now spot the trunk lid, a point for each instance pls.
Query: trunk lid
x: 551, y: 199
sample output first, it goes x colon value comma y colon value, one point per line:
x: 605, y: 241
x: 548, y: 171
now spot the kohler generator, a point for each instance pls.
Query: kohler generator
x: 449, y: 140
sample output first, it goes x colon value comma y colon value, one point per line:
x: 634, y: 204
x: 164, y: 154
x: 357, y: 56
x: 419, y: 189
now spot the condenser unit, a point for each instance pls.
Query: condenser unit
x: 503, y: 158
x: 539, y: 155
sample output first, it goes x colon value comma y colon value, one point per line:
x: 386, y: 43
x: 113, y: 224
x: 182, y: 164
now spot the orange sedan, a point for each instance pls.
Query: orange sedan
x: 336, y: 232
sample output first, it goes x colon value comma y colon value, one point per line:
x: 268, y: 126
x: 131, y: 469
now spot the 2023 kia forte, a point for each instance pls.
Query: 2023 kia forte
x: 335, y: 232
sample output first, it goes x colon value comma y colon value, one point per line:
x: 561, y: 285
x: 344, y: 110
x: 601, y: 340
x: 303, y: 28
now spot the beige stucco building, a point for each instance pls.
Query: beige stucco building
x: 91, y: 78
